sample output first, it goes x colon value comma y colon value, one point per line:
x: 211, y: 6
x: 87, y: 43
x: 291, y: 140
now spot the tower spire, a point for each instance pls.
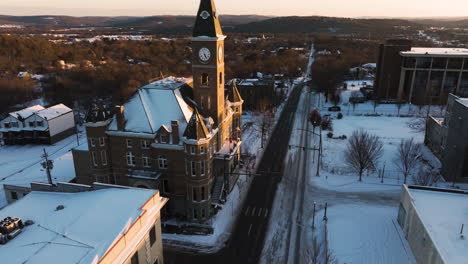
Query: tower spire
x: 207, y: 21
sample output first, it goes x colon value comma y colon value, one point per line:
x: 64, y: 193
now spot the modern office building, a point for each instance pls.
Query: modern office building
x: 448, y: 139
x: 422, y: 75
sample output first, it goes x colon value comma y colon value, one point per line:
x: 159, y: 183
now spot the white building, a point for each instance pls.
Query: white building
x: 38, y: 125
x: 72, y: 223
x: 434, y: 223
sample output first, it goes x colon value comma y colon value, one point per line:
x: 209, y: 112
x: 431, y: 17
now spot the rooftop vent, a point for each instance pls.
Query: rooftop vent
x: 10, y: 228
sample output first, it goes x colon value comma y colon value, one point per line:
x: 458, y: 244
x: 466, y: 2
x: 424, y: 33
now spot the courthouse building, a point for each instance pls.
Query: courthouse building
x: 179, y: 135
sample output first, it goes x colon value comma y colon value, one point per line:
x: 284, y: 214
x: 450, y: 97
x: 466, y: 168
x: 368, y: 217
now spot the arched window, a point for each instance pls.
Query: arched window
x: 204, y: 79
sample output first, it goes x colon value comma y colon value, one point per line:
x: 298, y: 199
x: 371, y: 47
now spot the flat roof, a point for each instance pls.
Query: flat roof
x: 82, y: 232
x: 443, y: 212
x: 418, y: 51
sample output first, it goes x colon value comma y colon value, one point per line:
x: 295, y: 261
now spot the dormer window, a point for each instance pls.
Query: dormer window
x: 202, y: 150
x: 163, y: 138
x: 193, y: 150
x: 32, y: 124
x: 39, y: 123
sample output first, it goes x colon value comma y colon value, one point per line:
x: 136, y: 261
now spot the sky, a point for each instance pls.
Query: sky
x: 341, y: 8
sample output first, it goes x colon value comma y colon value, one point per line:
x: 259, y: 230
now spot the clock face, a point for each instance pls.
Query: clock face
x: 204, y: 14
x: 220, y: 54
x: 204, y: 54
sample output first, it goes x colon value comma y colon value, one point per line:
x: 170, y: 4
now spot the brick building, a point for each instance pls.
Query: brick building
x: 258, y: 94
x: 182, y: 136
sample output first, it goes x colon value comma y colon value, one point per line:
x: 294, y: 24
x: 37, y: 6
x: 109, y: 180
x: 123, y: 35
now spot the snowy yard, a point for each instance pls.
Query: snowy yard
x: 21, y: 165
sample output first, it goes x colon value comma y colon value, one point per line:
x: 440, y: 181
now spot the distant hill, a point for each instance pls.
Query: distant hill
x: 444, y: 22
x: 63, y: 21
x: 323, y: 24
x: 152, y: 22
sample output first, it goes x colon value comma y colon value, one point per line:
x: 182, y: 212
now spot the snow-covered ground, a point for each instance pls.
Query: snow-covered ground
x: 361, y: 225
x: 21, y: 165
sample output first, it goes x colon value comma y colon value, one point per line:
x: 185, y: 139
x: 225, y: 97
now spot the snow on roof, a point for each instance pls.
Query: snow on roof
x: 27, y: 112
x: 443, y: 214
x: 156, y: 105
x: 54, y: 111
x: 437, y: 51
x: 82, y: 232
x: 463, y: 101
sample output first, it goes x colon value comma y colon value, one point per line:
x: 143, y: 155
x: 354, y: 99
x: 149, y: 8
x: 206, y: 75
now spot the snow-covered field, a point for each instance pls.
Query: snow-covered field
x: 21, y: 165
x: 361, y: 226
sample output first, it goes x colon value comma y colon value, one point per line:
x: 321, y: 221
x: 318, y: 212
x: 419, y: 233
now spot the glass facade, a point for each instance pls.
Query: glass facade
x: 463, y: 91
x: 435, y: 83
x: 439, y: 63
x: 455, y: 63
x: 451, y: 81
x: 423, y: 63
x: 409, y: 62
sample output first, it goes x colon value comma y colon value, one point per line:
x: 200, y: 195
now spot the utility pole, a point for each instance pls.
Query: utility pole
x: 313, y: 217
x: 319, y: 159
x: 47, y: 165
x: 383, y: 171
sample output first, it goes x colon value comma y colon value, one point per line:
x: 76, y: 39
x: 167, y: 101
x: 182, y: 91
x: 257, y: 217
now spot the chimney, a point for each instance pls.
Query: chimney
x: 120, y: 115
x: 175, y: 132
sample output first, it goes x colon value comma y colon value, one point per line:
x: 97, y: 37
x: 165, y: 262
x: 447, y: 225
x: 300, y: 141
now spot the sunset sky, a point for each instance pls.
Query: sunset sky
x: 343, y: 8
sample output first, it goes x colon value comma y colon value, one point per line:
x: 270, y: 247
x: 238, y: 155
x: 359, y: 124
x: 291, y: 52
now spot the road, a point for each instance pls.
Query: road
x: 247, y: 240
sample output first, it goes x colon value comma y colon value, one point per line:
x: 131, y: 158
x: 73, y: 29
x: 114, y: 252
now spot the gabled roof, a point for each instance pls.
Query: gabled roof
x: 233, y: 94
x: 27, y: 112
x: 155, y: 105
x: 207, y: 21
x: 196, y: 129
x: 53, y: 112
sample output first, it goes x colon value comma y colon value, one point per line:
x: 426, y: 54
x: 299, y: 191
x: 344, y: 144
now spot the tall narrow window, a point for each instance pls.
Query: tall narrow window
x: 146, y: 162
x: 104, y: 157
x: 193, y: 150
x: 94, y: 156
x: 209, y: 103
x: 204, y: 79
x: 202, y: 168
x: 194, y: 194
x: 193, y: 166
x: 152, y: 235
x: 93, y: 142
x: 129, y: 143
x: 220, y: 78
x: 131, y: 159
x: 195, y: 213
x: 202, y: 150
x: 165, y: 187
x: 203, y: 213
x: 202, y: 193
x: 102, y: 141
x: 163, y: 138
x: 163, y: 162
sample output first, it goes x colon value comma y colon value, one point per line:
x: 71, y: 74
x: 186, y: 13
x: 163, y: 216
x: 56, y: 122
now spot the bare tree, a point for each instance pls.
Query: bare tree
x: 335, y: 98
x: 426, y: 177
x: 315, y: 118
x: 363, y: 151
x: 407, y: 157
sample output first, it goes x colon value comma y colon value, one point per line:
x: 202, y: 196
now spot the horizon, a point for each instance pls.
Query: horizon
x: 416, y: 9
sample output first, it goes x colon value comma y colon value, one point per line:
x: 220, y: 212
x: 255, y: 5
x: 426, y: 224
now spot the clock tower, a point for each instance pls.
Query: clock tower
x: 208, y: 61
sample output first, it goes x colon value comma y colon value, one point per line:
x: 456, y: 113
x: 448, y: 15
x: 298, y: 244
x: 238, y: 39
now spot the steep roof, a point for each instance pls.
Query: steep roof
x: 27, y: 112
x: 196, y: 129
x: 82, y: 232
x: 207, y: 21
x: 233, y: 94
x: 156, y: 105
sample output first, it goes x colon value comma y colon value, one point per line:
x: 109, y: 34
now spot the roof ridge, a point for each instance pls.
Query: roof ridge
x: 146, y: 111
